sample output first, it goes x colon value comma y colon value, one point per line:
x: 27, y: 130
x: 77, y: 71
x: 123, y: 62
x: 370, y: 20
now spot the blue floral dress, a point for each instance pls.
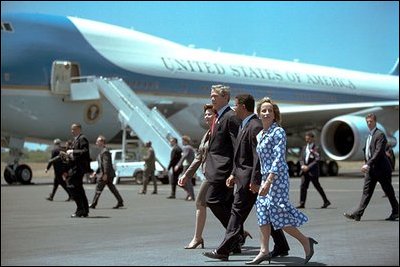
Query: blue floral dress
x: 275, y: 208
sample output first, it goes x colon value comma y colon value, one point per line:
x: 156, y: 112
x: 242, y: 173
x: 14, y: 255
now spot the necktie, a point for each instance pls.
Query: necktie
x: 213, y: 123
x: 367, y: 148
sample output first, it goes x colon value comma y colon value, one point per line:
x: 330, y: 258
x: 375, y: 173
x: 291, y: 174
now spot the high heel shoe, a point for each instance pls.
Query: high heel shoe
x: 245, y: 235
x: 195, y: 245
x: 259, y: 259
x: 312, y: 242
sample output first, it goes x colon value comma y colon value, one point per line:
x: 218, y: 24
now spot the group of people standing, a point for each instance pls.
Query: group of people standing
x: 73, y: 162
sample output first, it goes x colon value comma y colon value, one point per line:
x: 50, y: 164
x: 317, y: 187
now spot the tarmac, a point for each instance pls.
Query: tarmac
x: 151, y: 230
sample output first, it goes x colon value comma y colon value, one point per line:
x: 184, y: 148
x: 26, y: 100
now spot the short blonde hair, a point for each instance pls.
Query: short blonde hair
x: 275, y: 108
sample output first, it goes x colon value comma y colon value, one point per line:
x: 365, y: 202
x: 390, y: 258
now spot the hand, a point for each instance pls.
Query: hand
x: 105, y: 178
x: 45, y: 170
x: 264, y: 189
x: 70, y: 151
x: 182, y: 180
x: 254, y: 188
x: 365, y: 168
x: 230, y: 182
x: 304, y: 168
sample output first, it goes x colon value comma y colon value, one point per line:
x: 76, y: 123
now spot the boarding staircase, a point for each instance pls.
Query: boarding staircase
x: 148, y: 124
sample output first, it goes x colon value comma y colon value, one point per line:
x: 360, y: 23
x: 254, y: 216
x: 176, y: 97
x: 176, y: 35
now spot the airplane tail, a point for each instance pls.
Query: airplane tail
x: 395, y: 69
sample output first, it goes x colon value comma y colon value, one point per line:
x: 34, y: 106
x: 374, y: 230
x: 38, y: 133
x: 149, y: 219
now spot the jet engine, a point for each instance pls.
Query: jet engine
x: 343, y: 137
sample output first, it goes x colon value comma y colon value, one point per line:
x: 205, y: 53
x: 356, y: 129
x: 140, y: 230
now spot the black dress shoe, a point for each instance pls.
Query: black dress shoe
x: 214, y: 255
x: 392, y: 217
x: 78, y: 215
x: 352, y: 216
x: 326, y: 204
x: 118, y: 206
x: 301, y: 206
x: 276, y: 253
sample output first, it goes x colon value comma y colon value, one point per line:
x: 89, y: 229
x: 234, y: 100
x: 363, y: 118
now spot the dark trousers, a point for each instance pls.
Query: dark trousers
x: 58, y: 180
x: 305, y: 182
x: 219, y: 199
x: 100, y: 187
x: 75, y: 185
x: 173, y: 179
x: 242, y: 205
x: 368, y: 190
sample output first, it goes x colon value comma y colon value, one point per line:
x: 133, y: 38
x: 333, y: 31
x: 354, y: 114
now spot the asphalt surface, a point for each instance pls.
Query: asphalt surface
x: 152, y: 230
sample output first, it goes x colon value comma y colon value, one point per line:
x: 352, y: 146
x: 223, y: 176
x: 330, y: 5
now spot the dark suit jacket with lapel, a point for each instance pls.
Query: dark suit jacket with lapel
x: 313, y: 159
x: 378, y: 162
x: 246, y: 163
x: 176, y: 154
x: 81, y: 154
x: 105, y: 164
x: 219, y: 160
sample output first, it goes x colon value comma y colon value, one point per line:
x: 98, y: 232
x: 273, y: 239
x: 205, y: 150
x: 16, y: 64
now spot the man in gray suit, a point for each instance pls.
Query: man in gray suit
x: 376, y: 169
x: 105, y: 174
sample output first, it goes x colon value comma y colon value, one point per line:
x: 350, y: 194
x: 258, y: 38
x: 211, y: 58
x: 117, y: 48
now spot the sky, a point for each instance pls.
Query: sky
x: 359, y: 35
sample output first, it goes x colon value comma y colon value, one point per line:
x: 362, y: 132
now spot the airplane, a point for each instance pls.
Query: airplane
x: 176, y: 79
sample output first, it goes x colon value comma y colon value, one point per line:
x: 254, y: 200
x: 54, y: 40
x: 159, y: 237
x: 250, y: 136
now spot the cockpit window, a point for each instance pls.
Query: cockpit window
x: 6, y: 26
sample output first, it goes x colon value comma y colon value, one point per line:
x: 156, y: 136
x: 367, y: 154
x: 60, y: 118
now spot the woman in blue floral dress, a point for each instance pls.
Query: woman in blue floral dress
x: 273, y: 206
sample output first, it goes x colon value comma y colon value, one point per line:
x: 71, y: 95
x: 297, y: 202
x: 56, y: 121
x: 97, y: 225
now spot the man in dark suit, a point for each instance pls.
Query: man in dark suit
x: 176, y: 154
x: 309, y: 161
x: 245, y: 174
x: 219, y: 160
x: 80, y: 164
x: 376, y: 169
x: 105, y: 174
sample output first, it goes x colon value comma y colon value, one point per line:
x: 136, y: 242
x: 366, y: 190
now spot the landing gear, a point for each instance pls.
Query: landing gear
x: 333, y: 168
x: 294, y: 169
x: 18, y: 173
x: 15, y: 172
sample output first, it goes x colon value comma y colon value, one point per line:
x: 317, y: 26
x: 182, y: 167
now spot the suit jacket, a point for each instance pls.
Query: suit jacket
x: 81, y: 162
x: 176, y: 154
x: 149, y: 161
x: 220, y: 153
x: 58, y: 165
x: 246, y: 166
x: 187, y: 157
x: 313, y: 159
x: 200, y: 158
x: 105, y: 164
x: 378, y: 162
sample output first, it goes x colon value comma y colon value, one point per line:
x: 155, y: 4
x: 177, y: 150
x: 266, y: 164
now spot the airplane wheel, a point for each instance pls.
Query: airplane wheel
x: 292, y: 168
x: 24, y: 174
x: 333, y: 168
x: 323, y: 168
x: 138, y: 176
x: 9, y: 177
x: 298, y: 169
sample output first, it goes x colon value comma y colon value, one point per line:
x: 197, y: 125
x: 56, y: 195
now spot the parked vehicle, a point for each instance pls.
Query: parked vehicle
x: 131, y: 169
